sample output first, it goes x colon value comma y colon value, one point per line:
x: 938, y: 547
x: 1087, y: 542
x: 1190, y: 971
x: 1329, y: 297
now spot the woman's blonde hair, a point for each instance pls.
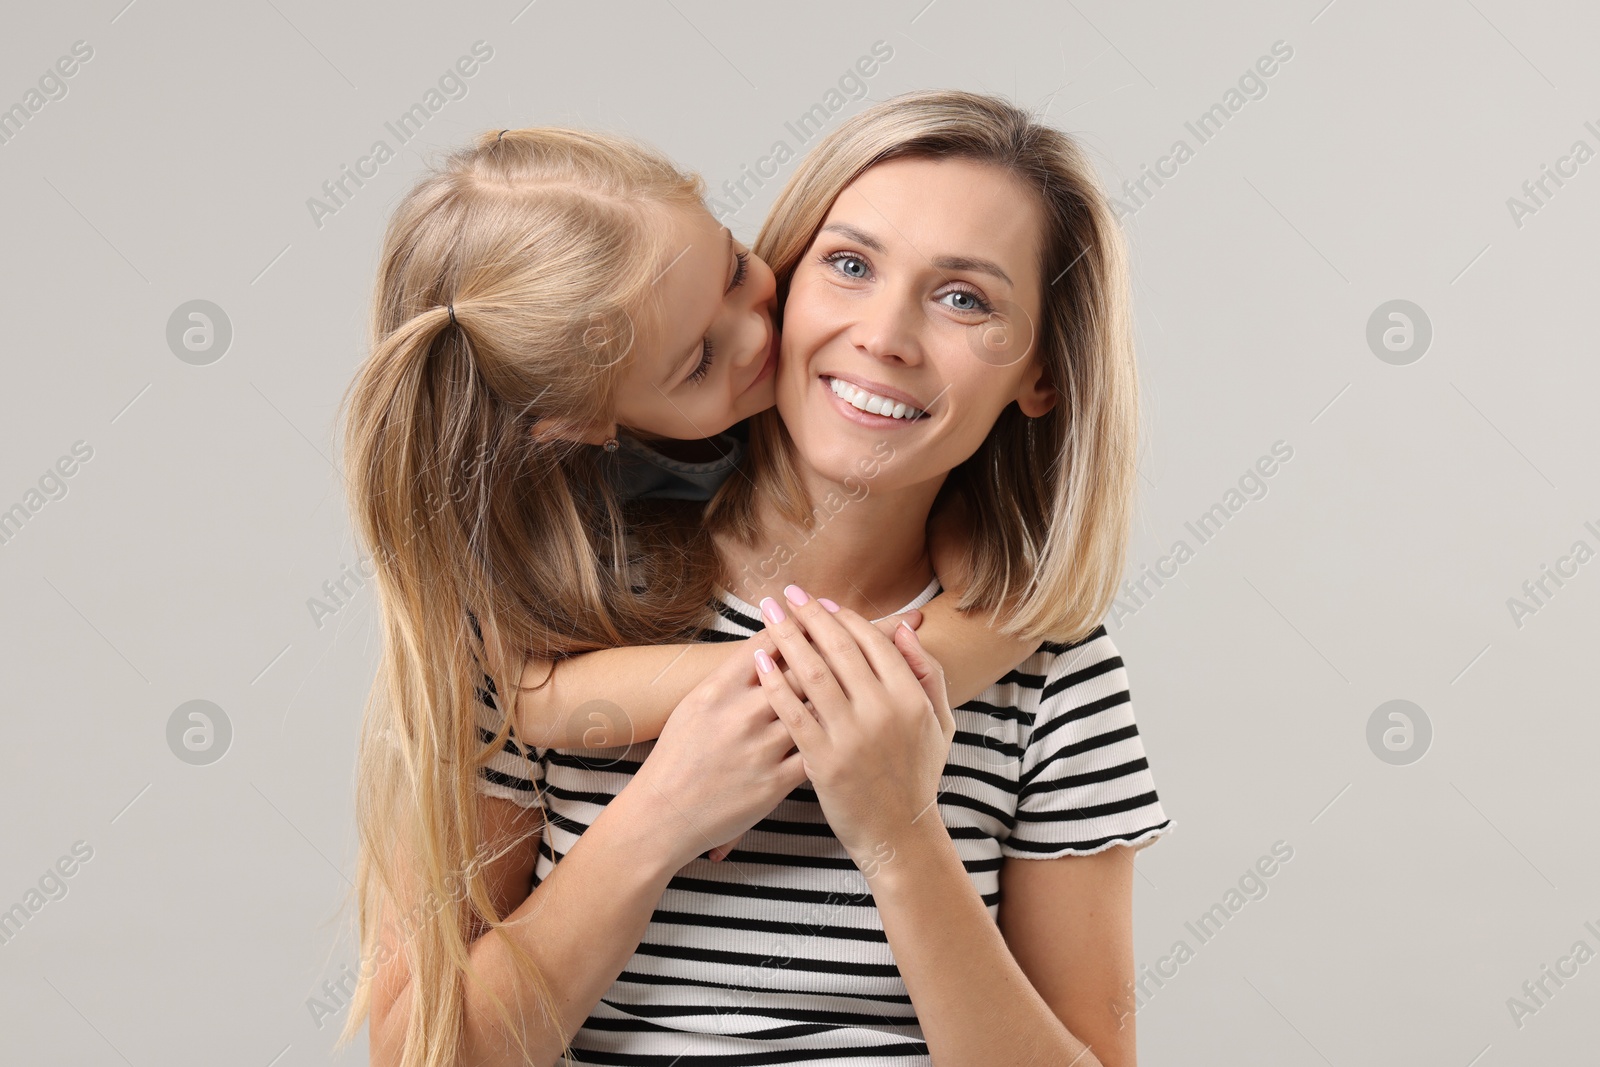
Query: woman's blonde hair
x: 514, y: 280
x: 1049, y: 499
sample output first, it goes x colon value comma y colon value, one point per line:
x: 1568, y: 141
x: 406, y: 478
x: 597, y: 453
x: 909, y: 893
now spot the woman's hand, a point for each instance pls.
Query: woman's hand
x: 876, y: 735
x: 763, y: 642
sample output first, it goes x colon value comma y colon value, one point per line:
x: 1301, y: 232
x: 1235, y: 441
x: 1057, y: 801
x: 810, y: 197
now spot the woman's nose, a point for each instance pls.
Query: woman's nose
x: 890, y: 327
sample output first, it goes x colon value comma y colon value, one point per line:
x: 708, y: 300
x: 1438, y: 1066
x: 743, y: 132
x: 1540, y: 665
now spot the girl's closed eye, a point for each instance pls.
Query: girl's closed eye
x: 707, y: 353
x: 707, y: 349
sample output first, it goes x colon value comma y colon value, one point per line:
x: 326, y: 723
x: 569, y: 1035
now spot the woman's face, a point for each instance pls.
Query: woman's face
x: 911, y: 321
x: 707, y: 360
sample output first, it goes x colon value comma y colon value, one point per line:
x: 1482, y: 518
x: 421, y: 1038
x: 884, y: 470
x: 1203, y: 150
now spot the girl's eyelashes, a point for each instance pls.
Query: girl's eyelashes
x: 740, y: 270
x: 707, y: 353
x: 855, y: 267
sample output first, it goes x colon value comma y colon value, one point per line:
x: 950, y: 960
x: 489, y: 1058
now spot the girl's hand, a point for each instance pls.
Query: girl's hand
x: 876, y: 736
x: 722, y: 763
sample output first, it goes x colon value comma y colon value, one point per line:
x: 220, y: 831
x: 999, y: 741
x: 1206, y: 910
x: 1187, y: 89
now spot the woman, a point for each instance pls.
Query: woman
x: 943, y: 253
x: 544, y: 293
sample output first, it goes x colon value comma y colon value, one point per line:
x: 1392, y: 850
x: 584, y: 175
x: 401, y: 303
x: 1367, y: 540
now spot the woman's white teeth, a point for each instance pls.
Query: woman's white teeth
x: 877, y: 405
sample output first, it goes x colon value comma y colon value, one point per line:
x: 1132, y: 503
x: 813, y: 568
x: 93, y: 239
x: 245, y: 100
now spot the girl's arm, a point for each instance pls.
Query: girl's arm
x: 614, y: 696
x: 621, y: 696
x: 579, y: 939
x: 974, y: 657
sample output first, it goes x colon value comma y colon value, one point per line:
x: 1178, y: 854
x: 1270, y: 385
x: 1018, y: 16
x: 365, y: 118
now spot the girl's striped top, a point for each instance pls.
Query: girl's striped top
x: 777, y: 955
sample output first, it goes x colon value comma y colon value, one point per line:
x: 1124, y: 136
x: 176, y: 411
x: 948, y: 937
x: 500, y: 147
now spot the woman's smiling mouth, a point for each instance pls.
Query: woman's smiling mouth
x: 872, y: 403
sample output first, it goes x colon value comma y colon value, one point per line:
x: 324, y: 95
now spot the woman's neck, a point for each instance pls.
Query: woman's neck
x: 866, y: 548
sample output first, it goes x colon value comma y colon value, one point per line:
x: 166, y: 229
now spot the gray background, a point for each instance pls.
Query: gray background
x: 179, y: 563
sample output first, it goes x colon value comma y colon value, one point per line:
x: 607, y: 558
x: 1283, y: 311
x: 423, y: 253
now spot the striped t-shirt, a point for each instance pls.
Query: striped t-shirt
x: 776, y: 954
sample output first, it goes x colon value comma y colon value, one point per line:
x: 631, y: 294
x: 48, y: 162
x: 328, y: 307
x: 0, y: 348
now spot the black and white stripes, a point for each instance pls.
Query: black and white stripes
x: 777, y: 955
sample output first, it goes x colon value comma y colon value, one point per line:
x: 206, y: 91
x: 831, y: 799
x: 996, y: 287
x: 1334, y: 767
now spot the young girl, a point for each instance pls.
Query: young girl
x: 943, y: 256
x: 543, y: 294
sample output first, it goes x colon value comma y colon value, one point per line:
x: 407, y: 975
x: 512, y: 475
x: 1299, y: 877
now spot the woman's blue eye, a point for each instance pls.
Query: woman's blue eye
x: 848, y: 264
x: 973, y: 302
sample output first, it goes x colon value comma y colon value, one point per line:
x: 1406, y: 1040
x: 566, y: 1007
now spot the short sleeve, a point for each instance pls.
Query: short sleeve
x: 511, y: 773
x: 1084, y: 784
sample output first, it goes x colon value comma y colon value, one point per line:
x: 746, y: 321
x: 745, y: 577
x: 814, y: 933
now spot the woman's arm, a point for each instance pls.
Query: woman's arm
x: 976, y: 1004
x: 1069, y: 923
x: 875, y: 738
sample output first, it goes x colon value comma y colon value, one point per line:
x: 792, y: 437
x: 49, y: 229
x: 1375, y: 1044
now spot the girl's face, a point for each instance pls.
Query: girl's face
x: 911, y: 321
x: 707, y: 361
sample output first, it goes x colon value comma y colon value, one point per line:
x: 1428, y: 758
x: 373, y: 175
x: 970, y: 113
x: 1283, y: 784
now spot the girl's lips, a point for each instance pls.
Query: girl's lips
x: 864, y: 418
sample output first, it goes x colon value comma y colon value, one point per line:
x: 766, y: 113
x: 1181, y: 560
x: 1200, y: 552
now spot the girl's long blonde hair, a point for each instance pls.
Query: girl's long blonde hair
x: 1049, y: 499
x: 513, y: 282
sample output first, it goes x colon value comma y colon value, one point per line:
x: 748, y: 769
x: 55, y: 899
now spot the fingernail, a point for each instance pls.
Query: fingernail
x: 825, y: 602
x: 764, y: 662
x: 909, y: 631
x: 796, y: 595
x: 770, y: 608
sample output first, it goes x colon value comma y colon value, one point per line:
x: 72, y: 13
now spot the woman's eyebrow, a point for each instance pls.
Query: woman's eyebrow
x: 982, y: 266
x: 860, y: 237
x: 969, y: 263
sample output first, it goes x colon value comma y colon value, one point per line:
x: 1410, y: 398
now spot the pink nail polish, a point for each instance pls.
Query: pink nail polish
x: 830, y: 605
x: 764, y: 662
x: 796, y: 595
x: 770, y: 608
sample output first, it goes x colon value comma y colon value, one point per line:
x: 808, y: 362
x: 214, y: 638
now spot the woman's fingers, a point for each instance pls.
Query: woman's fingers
x: 881, y: 651
x: 817, y: 680
x: 840, y: 649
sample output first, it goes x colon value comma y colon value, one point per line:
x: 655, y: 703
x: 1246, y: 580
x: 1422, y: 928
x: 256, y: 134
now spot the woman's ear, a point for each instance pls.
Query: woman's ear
x: 556, y: 428
x: 1037, y: 395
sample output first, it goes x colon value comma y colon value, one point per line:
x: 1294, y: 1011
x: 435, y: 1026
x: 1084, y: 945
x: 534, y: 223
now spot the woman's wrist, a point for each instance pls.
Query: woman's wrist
x: 903, y: 858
